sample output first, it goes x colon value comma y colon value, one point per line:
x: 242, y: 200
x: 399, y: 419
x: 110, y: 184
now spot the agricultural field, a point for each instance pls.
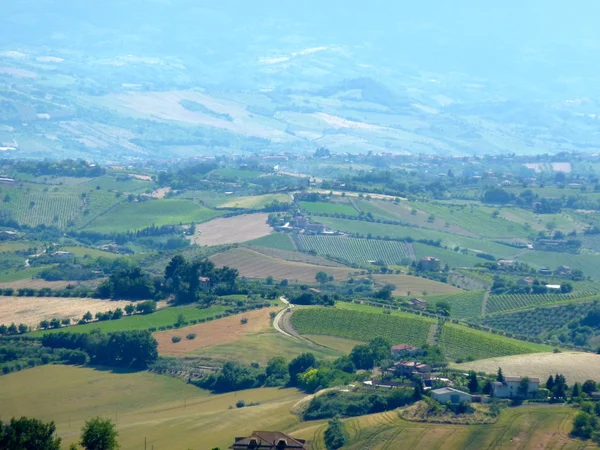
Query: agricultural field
x: 134, y: 216
x: 328, y: 208
x: 464, y: 305
x: 161, y: 318
x: 297, y: 257
x: 253, y: 264
x: 461, y: 343
x: 231, y: 230
x: 586, y: 263
x: 236, y: 174
x: 15, y: 246
x: 415, y: 285
x: 254, y: 202
x: 279, y: 241
x: 401, y: 232
x: 498, y: 303
x: 27, y: 273
x: 358, y: 251
x: 575, y: 366
x: 161, y: 411
x: 82, y: 252
x: 361, y: 326
x: 223, y: 331
x: 538, y: 322
x: 32, y: 310
x: 446, y: 256
x: 536, y: 427
x: 129, y: 186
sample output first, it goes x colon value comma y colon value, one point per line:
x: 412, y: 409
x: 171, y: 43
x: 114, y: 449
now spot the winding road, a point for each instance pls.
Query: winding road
x: 278, y: 318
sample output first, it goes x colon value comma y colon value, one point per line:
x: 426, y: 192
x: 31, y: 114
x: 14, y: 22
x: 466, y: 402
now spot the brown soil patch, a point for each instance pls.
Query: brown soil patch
x: 222, y: 331
x: 36, y: 284
x: 161, y: 192
x: 232, y: 230
x: 32, y: 310
x: 252, y: 264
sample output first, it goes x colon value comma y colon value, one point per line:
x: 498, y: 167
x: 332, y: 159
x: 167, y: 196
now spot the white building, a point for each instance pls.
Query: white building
x: 451, y: 395
x: 510, y: 387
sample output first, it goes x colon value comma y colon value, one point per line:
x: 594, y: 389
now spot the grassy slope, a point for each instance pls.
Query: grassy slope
x: 587, y: 263
x: 538, y: 427
x: 256, y: 201
x: 330, y: 208
x: 450, y: 257
x: 134, y: 216
x: 165, y: 411
x: 462, y: 305
x: 416, y: 285
x: 279, y: 241
x: 163, y: 317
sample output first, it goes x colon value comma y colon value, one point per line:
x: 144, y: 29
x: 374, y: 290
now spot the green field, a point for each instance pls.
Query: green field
x: 534, y: 427
x: 149, y: 409
x: 462, y: 343
x: 398, y: 328
x: 328, y: 208
x: 359, y: 251
x: 21, y: 274
x: 131, y: 185
x: 15, y: 246
x: 278, y: 241
x: 161, y: 318
x: 586, y: 263
x: 450, y: 257
x: 462, y: 306
x: 499, y: 303
x: 91, y: 252
x: 135, y: 216
x: 396, y: 231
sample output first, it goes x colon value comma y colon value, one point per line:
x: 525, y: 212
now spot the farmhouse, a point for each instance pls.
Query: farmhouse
x: 545, y: 271
x: 269, y: 440
x: 204, y: 283
x: 411, y: 368
x: 401, y: 350
x: 563, y: 270
x: 510, y: 387
x: 418, y: 303
x: 553, y: 287
x: 451, y: 395
x: 525, y: 282
x: 430, y: 264
x: 504, y: 263
x: 62, y: 255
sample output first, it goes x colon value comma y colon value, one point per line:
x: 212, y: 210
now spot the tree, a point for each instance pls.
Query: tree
x: 55, y: 323
x: 335, y: 435
x: 473, y: 383
x: 23, y: 328
x: 550, y: 383
x: 28, y: 434
x: 500, y: 377
x: 362, y: 357
x: 589, y: 386
x: 129, y: 309
x: 576, y: 390
x: 87, y: 317
x: 147, y: 307
x: 269, y: 280
x: 321, y: 277
x: 99, y: 434
x: 277, y: 371
x: 300, y: 364
x: 523, y: 388
x: 44, y: 324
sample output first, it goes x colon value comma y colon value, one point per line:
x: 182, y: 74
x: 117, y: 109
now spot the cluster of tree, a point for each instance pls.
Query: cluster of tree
x: 32, y: 434
x: 580, y: 331
x: 132, y: 349
x: 182, y: 279
x: 22, y: 353
x: 131, y: 284
x: 190, y: 177
x: 335, y: 435
x: 351, y: 404
x: 68, y: 291
x: 64, y: 168
x: 13, y: 329
x: 91, y: 237
x: 372, y: 354
x: 311, y: 298
x: 71, y: 272
x: 505, y: 286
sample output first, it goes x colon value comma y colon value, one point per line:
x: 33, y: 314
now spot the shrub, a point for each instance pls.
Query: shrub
x: 240, y: 404
x: 191, y: 336
x: 244, y: 320
x: 273, y: 314
x: 152, y: 329
x: 176, y: 339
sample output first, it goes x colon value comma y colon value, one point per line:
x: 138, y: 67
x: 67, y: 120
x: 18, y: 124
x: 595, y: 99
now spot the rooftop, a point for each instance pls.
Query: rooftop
x: 448, y: 390
x: 269, y: 440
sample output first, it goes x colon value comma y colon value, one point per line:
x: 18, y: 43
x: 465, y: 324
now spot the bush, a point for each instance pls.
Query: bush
x: 175, y: 339
x: 152, y: 329
x: 191, y: 336
x: 240, y: 404
x: 244, y: 320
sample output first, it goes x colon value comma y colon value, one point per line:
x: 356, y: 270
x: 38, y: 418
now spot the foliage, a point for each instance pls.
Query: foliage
x: 99, y: 434
x: 335, y: 434
x: 497, y: 303
x: 130, y: 284
x: 28, y: 434
x: 368, y: 356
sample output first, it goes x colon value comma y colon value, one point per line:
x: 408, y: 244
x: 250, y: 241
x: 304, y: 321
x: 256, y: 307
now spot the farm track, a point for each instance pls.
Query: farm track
x: 431, y: 340
x: 484, y: 303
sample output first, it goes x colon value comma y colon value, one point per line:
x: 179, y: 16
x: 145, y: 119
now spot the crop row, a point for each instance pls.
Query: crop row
x: 359, y: 251
x: 361, y: 326
x: 461, y: 343
x: 509, y: 302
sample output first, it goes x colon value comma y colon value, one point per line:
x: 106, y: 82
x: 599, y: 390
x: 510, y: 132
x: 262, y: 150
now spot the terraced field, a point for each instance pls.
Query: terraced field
x: 359, y: 251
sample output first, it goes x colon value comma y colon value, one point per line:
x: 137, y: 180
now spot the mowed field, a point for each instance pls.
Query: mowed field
x: 164, y: 411
x: 222, y: 331
x: 415, y: 285
x: 255, y: 201
x: 575, y: 366
x: 252, y: 264
x: 32, y: 310
x: 539, y: 427
x: 232, y: 230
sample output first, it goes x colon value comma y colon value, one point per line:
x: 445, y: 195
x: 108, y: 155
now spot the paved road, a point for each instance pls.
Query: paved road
x: 279, y: 316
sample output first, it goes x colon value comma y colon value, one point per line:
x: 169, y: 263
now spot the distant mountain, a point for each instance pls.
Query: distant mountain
x: 107, y: 79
